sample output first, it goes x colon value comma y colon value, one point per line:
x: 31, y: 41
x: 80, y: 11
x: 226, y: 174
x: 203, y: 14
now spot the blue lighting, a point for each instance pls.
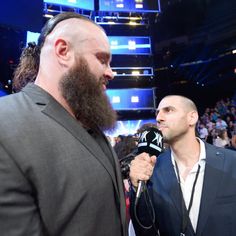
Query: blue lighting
x: 130, y: 45
x: 131, y: 99
x: 3, y: 93
x: 120, y: 45
x: 128, y: 127
x: 129, y: 5
x: 83, y: 4
x: 32, y: 37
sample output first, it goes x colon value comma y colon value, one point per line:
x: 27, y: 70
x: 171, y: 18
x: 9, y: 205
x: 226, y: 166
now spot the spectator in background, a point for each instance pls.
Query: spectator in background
x: 230, y: 129
x: 203, y: 132
x: 233, y: 141
x: 145, y: 127
x: 222, y: 139
x: 118, y: 146
x: 211, y: 136
x: 232, y: 113
x: 220, y: 123
x: 221, y: 107
x: 125, y: 146
x: 214, y: 115
x: 124, y: 151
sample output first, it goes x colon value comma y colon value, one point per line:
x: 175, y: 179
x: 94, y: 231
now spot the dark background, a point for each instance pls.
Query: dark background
x: 192, y: 43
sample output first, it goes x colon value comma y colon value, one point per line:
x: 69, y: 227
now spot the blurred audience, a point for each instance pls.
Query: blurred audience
x: 218, y: 124
x: 222, y: 139
x: 125, y: 146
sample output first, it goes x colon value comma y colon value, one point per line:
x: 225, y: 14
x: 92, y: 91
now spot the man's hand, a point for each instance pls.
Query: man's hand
x: 141, y: 168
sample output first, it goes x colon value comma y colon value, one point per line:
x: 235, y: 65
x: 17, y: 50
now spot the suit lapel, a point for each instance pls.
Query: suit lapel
x: 54, y: 110
x: 212, y: 175
x: 61, y: 116
x: 169, y: 179
x: 121, y: 192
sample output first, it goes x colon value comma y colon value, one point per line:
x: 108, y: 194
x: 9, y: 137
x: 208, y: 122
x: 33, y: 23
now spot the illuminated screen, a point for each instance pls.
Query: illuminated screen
x: 128, y: 127
x: 119, y: 44
x: 32, y: 37
x: 84, y: 4
x: 129, y: 5
x: 130, y: 45
x: 131, y: 99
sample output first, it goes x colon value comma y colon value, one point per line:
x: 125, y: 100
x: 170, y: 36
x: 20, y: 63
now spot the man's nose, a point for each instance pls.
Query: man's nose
x: 109, y: 75
x: 159, y: 116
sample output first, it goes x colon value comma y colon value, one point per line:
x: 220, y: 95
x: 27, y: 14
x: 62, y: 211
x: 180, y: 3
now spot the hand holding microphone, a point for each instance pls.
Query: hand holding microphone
x: 141, y: 168
x: 150, y: 145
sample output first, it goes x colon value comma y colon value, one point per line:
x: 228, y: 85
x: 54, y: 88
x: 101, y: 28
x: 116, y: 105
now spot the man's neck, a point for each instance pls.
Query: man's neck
x: 187, y: 153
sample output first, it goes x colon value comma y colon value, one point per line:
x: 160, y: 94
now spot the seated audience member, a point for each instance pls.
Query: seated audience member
x: 222, y: 139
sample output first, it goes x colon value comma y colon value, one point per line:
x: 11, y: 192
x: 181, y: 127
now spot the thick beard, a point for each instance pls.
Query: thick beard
x: 86, y: 98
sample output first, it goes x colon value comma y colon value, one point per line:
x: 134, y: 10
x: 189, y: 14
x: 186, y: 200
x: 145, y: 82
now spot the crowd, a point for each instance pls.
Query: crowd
x: 217, y: 125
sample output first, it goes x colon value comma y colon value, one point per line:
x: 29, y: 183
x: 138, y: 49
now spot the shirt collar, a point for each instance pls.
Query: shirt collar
x: 202, y: 156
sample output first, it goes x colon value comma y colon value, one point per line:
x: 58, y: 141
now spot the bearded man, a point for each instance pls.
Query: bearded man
x: 58, y: 173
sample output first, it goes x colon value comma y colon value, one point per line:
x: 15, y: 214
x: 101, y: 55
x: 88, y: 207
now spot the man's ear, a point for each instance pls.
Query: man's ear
x: 63, y: 51
x: 193, y: 117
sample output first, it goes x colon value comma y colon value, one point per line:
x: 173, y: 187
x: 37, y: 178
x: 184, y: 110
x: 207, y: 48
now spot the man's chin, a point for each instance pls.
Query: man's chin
x: 165, y: 138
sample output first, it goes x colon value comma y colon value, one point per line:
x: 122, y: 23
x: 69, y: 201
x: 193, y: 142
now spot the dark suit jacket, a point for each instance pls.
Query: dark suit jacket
x: 217, y: 214
x: 54, y: 177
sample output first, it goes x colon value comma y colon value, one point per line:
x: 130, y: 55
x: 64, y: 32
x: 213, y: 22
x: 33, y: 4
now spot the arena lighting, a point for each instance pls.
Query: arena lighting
x: 139, y: 6
x: 128, y: 127
x: 121, y: 20
x: 135, y: 72
x: 133, y: 23
x: 48, y: 16
x: 31, y: 37
x: 132, y: 71
x: 234, y: 51
x: 129, y: 6
x: 115, y: 99
x: 132, y: 99
x: 130, y: 45
x: 80, y: 4
x: 120, y: 5
x: 135, y: 99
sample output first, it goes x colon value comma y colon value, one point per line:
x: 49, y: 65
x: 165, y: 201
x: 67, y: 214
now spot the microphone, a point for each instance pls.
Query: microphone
x: 151, y: 142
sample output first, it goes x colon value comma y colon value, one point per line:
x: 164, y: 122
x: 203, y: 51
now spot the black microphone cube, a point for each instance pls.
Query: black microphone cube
x: 151, y: 141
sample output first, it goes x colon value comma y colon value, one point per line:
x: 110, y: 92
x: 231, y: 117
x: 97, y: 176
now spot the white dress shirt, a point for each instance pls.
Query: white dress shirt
x: 187, y: 184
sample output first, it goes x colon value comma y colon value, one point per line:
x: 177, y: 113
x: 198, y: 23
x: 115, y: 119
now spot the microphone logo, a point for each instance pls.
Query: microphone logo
x: 143, y: 138
x: 151, y: 141
x: 159, y: 142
